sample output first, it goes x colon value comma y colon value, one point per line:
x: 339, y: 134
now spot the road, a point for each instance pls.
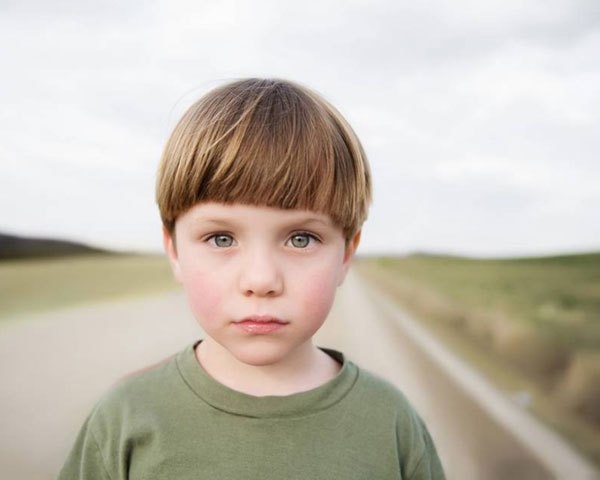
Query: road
x: 54, y: 367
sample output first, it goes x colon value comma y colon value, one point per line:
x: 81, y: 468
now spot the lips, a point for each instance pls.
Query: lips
x: 260, y: 325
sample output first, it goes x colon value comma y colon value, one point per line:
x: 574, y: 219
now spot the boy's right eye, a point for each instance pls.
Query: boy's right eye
x: 221, y: 240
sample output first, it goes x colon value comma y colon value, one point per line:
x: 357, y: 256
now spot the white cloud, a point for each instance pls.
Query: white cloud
x: 480, y: 118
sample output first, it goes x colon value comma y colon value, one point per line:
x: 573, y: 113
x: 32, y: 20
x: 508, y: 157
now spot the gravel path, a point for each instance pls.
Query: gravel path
x: 54, y: 367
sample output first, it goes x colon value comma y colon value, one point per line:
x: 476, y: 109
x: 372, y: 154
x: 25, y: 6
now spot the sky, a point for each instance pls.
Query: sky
x: 480, y: 119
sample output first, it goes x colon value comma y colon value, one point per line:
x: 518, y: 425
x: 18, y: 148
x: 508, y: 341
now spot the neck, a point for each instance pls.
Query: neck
x: 305, y: 369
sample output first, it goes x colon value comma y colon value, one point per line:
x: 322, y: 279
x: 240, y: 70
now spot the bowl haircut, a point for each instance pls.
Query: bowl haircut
x: 265, y: 142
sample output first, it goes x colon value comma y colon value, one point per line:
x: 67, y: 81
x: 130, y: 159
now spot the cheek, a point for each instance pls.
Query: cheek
x: 318, y: 295
x: 203, y: 293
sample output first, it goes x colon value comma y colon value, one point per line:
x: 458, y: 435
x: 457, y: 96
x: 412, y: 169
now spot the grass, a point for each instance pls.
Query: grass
x: 529, y: 324
x: 559, y: 296
x: 38, y: 285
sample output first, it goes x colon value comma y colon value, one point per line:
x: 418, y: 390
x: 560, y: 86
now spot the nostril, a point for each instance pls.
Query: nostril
x: 268, y: 293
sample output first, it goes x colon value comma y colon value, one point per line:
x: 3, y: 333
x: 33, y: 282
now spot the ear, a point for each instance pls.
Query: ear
x: 351, y: 247
x: 171, y: 251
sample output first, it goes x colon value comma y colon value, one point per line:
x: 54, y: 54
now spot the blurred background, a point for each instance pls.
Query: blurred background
x: 480, y: 120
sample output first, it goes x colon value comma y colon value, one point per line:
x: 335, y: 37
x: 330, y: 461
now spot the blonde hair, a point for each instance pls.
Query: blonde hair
x: 265, y: 142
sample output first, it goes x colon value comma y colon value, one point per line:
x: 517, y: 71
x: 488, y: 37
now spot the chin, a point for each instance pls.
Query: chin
x: 262, y: 359
x: 261, y: 355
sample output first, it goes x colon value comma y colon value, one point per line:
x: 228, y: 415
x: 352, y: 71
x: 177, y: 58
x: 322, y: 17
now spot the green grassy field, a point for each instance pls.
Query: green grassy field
x: 38, y: 285
x: 558, y: 296
x: 529, y: 324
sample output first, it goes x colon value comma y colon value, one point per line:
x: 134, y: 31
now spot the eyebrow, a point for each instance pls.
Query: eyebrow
x: 218, y: 220
x: 311, y: 220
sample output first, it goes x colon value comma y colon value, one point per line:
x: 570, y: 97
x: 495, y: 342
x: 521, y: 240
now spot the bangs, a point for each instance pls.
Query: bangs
x: 265, y: 143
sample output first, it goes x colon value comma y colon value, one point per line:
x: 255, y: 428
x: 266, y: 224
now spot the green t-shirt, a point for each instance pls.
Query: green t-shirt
x: 175, y: 422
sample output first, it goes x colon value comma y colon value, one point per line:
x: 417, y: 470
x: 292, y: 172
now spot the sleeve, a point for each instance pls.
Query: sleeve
x: 85, y: 461
x: 428, y: 466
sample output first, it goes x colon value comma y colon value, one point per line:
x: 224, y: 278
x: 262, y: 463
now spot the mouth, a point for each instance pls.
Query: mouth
x: 260, y: 324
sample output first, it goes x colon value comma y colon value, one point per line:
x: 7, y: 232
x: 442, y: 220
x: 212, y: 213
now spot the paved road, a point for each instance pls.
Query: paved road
x: 54, y: 367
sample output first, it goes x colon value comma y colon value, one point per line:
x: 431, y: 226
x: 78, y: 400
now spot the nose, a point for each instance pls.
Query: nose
x: 261, y: 274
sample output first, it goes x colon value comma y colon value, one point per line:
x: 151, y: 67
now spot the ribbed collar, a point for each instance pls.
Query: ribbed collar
x: 304, y: 403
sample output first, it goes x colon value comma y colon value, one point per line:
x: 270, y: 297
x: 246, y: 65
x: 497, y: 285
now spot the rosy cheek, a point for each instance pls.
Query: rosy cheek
x: 318, y: 296
x: 203, y: 295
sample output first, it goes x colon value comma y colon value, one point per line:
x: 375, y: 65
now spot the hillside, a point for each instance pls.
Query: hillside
x: 15, y: 247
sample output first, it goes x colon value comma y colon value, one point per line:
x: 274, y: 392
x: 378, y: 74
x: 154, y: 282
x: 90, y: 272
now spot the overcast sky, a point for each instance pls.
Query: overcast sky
x: 481, y: 119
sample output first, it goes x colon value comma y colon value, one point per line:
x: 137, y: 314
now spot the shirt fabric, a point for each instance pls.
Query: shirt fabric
x: 176, y: 422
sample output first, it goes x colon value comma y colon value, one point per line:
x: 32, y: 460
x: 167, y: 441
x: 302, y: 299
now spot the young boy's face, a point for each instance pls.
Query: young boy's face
x: 260, y: 281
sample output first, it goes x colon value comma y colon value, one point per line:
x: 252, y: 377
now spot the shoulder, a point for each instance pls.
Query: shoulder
x: 380, y: 399
x: 147, y: 379
x: 385, y: 404
x: 131, y: 397
x: 140, y: 383
x: 132, y: 412
x: 378, y: 391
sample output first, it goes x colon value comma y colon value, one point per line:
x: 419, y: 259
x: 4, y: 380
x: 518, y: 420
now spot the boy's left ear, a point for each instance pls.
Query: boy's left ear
x: 351, y: 247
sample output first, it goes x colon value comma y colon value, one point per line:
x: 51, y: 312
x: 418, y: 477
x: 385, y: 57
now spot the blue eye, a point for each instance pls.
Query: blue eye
x: 222, y: 240
x: 301, y: 240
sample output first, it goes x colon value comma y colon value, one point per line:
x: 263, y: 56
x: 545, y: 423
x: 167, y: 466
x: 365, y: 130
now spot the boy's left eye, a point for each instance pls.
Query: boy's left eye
x: 301, y: 240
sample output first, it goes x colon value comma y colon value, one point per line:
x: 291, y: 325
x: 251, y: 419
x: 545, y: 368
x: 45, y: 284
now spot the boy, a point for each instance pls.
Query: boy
x: 262, y: 189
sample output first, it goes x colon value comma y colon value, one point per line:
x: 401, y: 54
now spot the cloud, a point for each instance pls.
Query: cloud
x: 480, y: 118
x: 106, y: 13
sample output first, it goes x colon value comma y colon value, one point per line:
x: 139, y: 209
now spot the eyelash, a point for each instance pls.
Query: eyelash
x: 212, y: 239
x: 311, y: 238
